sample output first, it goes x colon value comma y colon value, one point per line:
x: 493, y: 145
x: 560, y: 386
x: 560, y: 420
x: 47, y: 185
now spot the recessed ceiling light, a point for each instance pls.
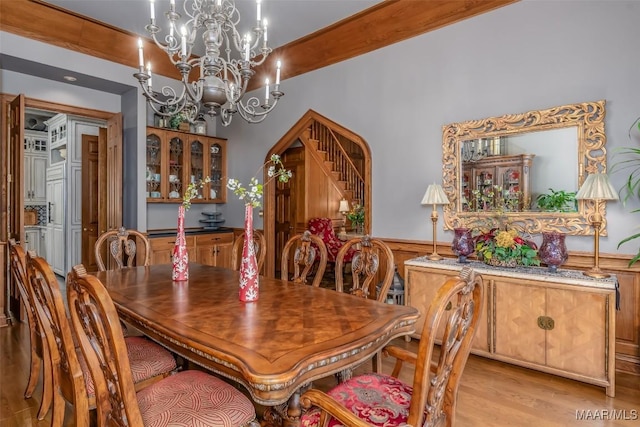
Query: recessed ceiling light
x: 70, y: 78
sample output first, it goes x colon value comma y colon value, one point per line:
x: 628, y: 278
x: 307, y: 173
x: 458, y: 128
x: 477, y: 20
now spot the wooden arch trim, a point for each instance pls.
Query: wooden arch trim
x: 289, y: 138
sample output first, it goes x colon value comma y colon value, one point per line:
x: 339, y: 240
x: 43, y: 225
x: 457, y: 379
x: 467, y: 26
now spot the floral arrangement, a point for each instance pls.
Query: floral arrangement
x: 506, y: 248
x: 356, y: 214
x: 192, y: 192
x: 252, y: 195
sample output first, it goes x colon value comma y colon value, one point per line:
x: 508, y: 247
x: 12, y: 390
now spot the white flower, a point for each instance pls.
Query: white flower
x: 253, y: 194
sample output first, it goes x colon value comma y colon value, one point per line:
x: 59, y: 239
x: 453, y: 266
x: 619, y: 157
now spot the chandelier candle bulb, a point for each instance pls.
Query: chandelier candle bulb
x: 278, y: 64
x: 183, y: 52
x: 152, y: 10
x: 266, y: 92
x: 172, y: 5
x: 264, y: 26
x: 258, y: 11
x: 149, y: 72
x: 140, y: 54
x: 247, y: 46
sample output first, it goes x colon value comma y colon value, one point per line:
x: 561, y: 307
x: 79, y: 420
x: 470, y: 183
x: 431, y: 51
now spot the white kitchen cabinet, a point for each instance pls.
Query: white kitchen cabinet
x: 32, y: 239
x: 35, y: 167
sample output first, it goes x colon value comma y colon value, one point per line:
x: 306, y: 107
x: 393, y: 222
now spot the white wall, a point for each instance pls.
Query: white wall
x: 526, y: 56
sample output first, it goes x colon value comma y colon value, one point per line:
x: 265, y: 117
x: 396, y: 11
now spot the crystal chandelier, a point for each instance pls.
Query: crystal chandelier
x: 225, y: 68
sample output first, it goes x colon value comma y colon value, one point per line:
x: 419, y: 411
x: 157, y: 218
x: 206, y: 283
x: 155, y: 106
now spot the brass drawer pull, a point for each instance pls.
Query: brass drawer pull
x: 546, y: 323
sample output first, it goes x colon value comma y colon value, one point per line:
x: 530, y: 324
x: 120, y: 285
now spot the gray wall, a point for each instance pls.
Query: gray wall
x: 530, y: 55
x: 526, y: 56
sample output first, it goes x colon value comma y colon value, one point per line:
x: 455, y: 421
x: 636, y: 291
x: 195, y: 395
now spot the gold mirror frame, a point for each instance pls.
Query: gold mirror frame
x: 588, y: 117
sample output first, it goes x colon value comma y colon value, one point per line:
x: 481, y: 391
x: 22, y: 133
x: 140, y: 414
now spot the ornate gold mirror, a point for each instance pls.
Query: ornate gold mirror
x: 496, y: 168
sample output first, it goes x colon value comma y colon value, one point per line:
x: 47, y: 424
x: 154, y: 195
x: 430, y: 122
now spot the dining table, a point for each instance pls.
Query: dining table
x: 275, y: 346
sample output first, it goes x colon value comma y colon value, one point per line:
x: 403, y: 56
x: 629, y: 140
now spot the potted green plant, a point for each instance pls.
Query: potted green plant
x: 631, y: 186
x: 557, y: 201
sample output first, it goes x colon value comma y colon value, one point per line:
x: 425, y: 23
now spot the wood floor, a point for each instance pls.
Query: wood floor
x: 491, y: 393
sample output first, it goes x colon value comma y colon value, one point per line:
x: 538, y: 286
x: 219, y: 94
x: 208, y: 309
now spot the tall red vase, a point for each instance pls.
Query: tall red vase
x: 180, y: 254
x: 249, y: 275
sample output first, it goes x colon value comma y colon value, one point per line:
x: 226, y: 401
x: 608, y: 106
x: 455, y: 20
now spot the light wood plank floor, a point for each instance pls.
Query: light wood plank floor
x: 491, y: 393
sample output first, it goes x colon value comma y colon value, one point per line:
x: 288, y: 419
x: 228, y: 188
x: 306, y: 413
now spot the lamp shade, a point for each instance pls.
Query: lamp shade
x: 435, y: 196
x: 344, y: 206
x: 597, y: 187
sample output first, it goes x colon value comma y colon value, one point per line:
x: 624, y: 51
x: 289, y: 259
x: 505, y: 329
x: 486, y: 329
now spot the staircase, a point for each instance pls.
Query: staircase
x: 336, y: 152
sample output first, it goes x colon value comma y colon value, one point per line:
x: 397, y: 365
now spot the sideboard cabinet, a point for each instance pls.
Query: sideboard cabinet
x: 561, y: 323
x: 208, y: 248
x: 175, y: 159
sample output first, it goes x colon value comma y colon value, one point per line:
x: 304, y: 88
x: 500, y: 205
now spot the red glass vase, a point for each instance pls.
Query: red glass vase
x: 180, y: 270
x: 249, y: 274
x: 462, y: 244
x: 553, y: 250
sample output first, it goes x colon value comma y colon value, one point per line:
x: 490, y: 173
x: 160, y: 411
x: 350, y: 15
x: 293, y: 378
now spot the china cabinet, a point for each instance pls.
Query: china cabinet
x: 561, y: 323
x: 175, y: 159
x: 35, y: 167
x: 497, y: 180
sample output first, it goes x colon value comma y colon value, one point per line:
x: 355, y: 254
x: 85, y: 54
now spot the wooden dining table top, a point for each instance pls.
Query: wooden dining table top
x: 290, y: 336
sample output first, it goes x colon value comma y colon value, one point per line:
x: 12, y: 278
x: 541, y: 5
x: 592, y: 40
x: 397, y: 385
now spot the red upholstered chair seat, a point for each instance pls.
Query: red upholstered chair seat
x: 147, y: 360
x: 193, y: 398
x: 323, y: 228
x: 380, y: 400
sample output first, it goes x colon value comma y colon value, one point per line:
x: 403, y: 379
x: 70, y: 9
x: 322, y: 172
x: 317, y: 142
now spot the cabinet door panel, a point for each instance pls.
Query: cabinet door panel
x: 206, y: 254
x: 577, y: 343
x: 421, y: 289
x: 223, y: 256
x: 517, y: 308
x: 481, y: 340
x: 39, y: 179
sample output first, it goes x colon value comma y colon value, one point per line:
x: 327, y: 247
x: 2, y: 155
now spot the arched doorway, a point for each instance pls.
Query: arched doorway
x: 329, y: 163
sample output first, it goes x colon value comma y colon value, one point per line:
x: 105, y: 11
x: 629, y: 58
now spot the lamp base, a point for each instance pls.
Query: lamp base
x: 435, y: 257
x: 596, y: 273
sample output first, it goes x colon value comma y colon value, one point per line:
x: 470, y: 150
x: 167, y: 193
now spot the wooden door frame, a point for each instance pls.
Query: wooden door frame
x: 289, y: 138
x: 5, y: 215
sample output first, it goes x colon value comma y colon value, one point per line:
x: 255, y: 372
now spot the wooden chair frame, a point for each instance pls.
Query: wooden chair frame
x: 457, y: 305
x: 260, y: 246
x: 38, y: 347
x: 304, y: 258
x: 67, y: 377
x: 365, y: 265
x: 121, y: 244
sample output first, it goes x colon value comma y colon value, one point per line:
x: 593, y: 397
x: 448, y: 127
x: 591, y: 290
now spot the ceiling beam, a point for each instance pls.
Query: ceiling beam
x: 381, y: 25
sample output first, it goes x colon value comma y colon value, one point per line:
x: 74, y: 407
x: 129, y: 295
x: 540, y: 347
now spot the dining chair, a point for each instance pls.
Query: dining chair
x: 120, y: 245
x: 71, y: 380
x: 39, y: 357
x: 260, y: 246
x: 306, y: 248
x: 369, y: 259
x: 382, y: 400
x: 187, y: 398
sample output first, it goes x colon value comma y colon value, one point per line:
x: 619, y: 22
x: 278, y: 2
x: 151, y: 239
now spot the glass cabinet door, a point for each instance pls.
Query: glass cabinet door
x: 215, y: 172
x: 154, y: 163
x: 196, y: 173
x: 176, y: 163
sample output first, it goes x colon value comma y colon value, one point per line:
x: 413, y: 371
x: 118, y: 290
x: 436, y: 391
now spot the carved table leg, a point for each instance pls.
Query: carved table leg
x: 286, y: 414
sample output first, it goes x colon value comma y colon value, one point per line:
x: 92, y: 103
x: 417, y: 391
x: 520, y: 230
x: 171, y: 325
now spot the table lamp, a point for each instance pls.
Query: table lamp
x: 344, y: 209
x: 435, y: 196
x: 596, y: 187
